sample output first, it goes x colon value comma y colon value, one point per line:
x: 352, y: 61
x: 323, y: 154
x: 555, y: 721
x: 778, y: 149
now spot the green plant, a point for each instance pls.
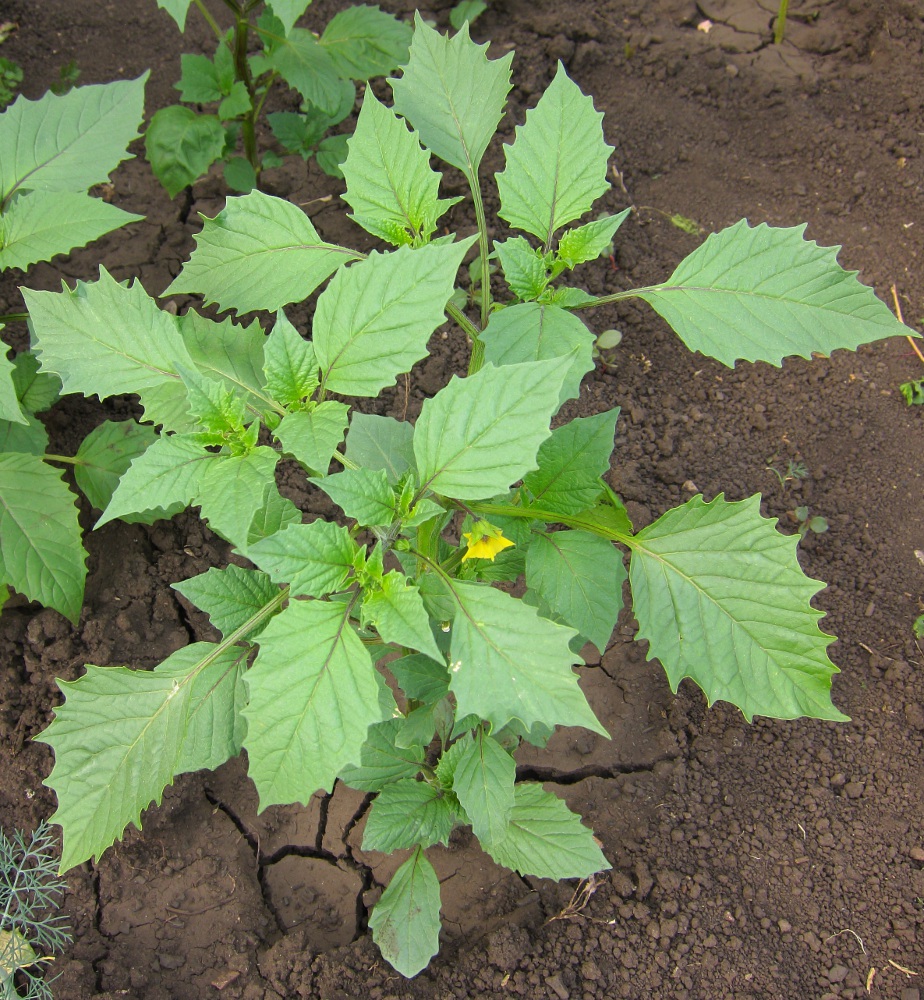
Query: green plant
x: 913, y: 392
x: 360, y: 42
x: 779, y: 23
x: 30, y: 929
x: 334, y: 618
x: 51, y: 151
x: 795, y: 469
x: 918, y: 627
x: 816, y: 524
x: 10, y: 79
x: 68, y: 76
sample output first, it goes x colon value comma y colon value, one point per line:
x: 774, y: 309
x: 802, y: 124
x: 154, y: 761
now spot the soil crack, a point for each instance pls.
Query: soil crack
x: 529, y: 772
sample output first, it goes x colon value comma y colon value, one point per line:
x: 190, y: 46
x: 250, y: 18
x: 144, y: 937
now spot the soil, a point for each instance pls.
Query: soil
x: 773, y: 860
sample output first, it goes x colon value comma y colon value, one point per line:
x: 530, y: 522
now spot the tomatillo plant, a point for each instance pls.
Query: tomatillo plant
x: 358, y: 43
x: 331, y: 619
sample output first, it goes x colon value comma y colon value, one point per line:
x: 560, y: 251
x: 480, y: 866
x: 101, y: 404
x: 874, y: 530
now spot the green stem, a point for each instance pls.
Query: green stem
x: 779, y: 27
x: 242, y: 73
x: 212, y: 23
x: 14, y: 318
x: 65, y: 459
x: 631, y: 293
x: 347, y: 463
x: 569, y: 520
x: 477, y: 358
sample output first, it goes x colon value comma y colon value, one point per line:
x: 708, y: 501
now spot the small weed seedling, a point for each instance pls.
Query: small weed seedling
x: 913, y: 392
x: 795, y: 469
x: 817, y: 525
x: 376, y: 649
x: 358, y: 43
x: 51, y: 151
x: 31, y: 930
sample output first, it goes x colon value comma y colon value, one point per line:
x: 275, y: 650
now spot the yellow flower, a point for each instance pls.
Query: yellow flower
x: 484, y: 541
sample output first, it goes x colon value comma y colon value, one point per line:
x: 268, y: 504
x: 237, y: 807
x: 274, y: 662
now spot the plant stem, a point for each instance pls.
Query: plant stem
x: 65, y: 459
x: 14, y: 318
x: 630, y: 293
x: 779, y: 27
x: 212, y: 23
x: 477, y: 358
x: 242, y: 73
x: 569, y: 520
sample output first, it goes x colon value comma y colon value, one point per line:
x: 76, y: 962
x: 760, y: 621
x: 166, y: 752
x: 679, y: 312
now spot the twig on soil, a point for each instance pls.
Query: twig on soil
x: 901, y: 968
x: 847, y: 930
x: 869, y: 980
x: 898, y: 313
x: 578, y: 902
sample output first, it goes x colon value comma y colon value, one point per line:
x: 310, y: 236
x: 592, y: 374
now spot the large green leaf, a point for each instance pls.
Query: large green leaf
x: 580, y: 577
x: 508, y: 663
x: 314, y: 559
x: 375, y: 318
x: 452, y: 94
x: 300, y: 59
x: 544, y: 838
x: 39, y: 225
x: 181, y: 146
x: 407, y: 813
x: 362, y: 494
x: 170, y: 471
x: 105, y: 454
x: 10, y: 408
x: 556, y: 167
x: 36, y: 390
x: 530, y: 331
x: 365, y: 41
x: 381, y: 761
x: 289, y: 11
x: 30, y: 437
x: 391, y: 187
x: 525, y: 269
x: 571, y: 463
x: 480, y: 434
x: 41, y: 554
x: 290, y: 366
x: 259, y: 252
x: 233, y: 489
x: 405, y: 923
x: 398, y: 614
x: 107, y: 338
x: 375, y: 442
x: 71, y: 142
x: 230, y: 596
x: 762, y: 294
x: 119, y: 740
x: 313, y: 696
x: 313, y: 436
x: 721, y: 598
x: 483, y: 780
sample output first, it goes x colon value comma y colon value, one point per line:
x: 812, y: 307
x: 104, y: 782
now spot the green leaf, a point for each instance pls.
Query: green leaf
x: 365, y: 41
x: 181, y: 146
x: 39, y: 225
x: 466, y: 11
x: 421, y: 677
x: 313, y: 696
x: 300, y: 59
x: 237, y: 103
x: 230, y: 596
x: 119, y: 740
x: 290, y: 366
x: 508, y: 663
x: 233, y: 489
x: 408, y: 813
x: 720, y: 595
x: 524, y: 268
x: 452, y: 94
x: 381, y: 761
x: 314, y: 559
x: 41, y: 554
x: 36, y: 390
x: 106, y: 339
x: 483, y: 781
x: 68, y: 143
x: 362, y: 494
x: 203, y: 80
x: 332, y: 151
x: 218, y: 413
x: 480, y: 434
x: 170, y: 471
x: 405, y: 923
x: 177, y: 9
x: 296, y: 132
x: 397, y: 612
x: 533, y: 332
x: 105, y: 455
x: 229, y: 353
x: 762, y: 294
x: 571, y: 462
x: 375, y: 318
x: 29, y: 437
x: 260, y: 252
x: 391, y: 187
x: 576, y: 246
x: 556, y: 166
x: 289, y: 11
x: 240, y: 174
x: 10, y: 408
x: 313, y: 436
x: 275, y: 514
x: 375, y: 442
x: 580, y: 576
x: 544, y: 838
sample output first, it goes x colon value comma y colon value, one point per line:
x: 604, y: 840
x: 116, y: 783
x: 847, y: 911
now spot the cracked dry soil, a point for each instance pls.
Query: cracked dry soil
x: 778, y: 860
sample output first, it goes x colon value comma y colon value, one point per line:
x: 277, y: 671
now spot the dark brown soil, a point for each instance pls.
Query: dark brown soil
x: 779, y: 860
